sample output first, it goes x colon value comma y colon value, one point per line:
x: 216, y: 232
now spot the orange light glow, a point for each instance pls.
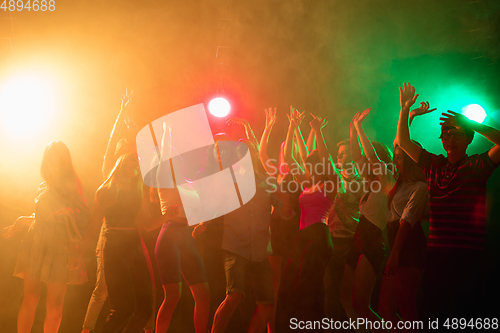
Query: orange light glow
x: 26, y: 105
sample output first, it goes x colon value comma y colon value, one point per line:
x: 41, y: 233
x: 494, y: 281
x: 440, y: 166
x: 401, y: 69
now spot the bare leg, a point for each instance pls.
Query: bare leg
x: 225, y: 312
x: 388, y: 302
x: 276, y: 262
x: 260, y: 318
x: 26, y: 315
x: 407, y: 282
x: 201, y: 295
x: 364, y: 281
x: 172, y: 296
x: 55, y: 302
x: 346, y: 293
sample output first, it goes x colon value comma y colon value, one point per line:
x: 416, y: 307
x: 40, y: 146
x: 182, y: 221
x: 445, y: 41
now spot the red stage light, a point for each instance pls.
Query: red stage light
x: 219, y: 107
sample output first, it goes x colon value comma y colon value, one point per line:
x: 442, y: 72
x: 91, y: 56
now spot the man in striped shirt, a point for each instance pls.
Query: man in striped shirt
x: 457, y: 190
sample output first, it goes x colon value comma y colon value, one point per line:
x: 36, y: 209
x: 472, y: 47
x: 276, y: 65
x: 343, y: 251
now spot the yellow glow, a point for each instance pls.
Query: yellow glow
x: 26, y: 105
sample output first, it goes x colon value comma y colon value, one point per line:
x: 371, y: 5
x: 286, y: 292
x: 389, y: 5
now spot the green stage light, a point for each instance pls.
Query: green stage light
x: 474, y: 112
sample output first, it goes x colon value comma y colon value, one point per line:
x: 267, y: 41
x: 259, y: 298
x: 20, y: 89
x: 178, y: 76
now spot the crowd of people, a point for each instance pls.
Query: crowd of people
x: 305, y: 252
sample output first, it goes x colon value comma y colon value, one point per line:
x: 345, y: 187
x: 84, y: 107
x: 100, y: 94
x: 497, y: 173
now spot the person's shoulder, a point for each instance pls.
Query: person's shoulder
x: 477, y: 157
x: 435, y: 158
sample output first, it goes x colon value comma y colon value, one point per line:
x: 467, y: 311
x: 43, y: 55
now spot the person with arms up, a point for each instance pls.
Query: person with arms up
x: 457, y: 195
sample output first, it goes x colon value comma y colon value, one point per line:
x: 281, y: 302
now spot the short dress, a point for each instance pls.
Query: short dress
x: 51, y: 239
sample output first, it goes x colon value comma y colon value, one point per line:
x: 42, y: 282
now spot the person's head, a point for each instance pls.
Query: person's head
x: 241, y: 147
x: 384, y: 154
x: 218, y: 138
x: 456, y: 140
x: 57, y: 167
x: 125, y: 171
x: 124, y: 147
x: 406, y: 168
x: 315, y: 168
x: 344, y: 157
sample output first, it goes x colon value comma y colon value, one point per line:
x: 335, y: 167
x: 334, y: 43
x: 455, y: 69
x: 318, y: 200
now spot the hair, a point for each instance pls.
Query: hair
x: 57, y: 154
x: 345, y: 142
x: 411, y: 173
x: 118, y: 175
x: 383, y: 152
x: 313, y: 159
x: 468, y: 132
x: 64, y: 181
x: 123, y: 146
x: 252, y: 147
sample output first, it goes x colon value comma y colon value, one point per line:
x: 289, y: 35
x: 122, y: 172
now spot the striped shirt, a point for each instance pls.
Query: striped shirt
x: 457, y: 194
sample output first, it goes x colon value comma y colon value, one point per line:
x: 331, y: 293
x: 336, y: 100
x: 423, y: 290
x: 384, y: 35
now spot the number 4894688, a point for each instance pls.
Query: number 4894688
x: 30, y: 5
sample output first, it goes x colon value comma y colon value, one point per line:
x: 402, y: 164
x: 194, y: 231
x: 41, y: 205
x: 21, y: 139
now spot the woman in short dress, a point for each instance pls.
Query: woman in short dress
x: 61, y: 216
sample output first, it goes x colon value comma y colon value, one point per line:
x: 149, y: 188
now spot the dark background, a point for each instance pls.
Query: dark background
x: 331, y: 58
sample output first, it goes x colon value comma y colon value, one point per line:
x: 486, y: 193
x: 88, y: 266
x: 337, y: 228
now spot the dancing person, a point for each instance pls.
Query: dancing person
x: 209, y: 235
x: 408, y: 205
x: 246, y: 242
x: 119, y: 143
x: 457, y: 190
x: 366, y: 256
x: 61, y: 215
x: 301, y: 293
x: 342, y: 221
x: 120, y: 201
x: 176, y: 253
x: 283, y: 231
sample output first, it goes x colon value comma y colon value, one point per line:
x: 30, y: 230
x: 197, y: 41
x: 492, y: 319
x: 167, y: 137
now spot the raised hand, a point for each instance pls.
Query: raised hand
x: 407, y: 95
x: 360, y: 116
x: 454, y: 119
x: 292, y: 118
x: 237, y: 120
x: 316, y: 123
x: 270, y: 116
x: 296, y: 115
x: 324, y: 122
x: 423, y: 109
x: 299, y: 116
x: 127, y: 98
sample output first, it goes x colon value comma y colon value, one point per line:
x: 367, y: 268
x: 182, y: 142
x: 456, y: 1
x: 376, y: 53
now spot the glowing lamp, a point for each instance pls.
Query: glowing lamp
x: 219, y: 107
x: 26, y: 105
x: 474, y: 112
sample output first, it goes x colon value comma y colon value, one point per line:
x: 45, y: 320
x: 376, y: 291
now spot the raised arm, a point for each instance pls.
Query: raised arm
x: 368, y: 149
x: 120, y: 124
x: 299, y: 117
x: 423, y: 109
x: 407, y: 99
x: 459, y: 120
x: 248, y: 129
x: 356, y: 154
x: 311, y: 141
x: 324, y: 155
x: 264, y: 158
x: 290, y: 136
